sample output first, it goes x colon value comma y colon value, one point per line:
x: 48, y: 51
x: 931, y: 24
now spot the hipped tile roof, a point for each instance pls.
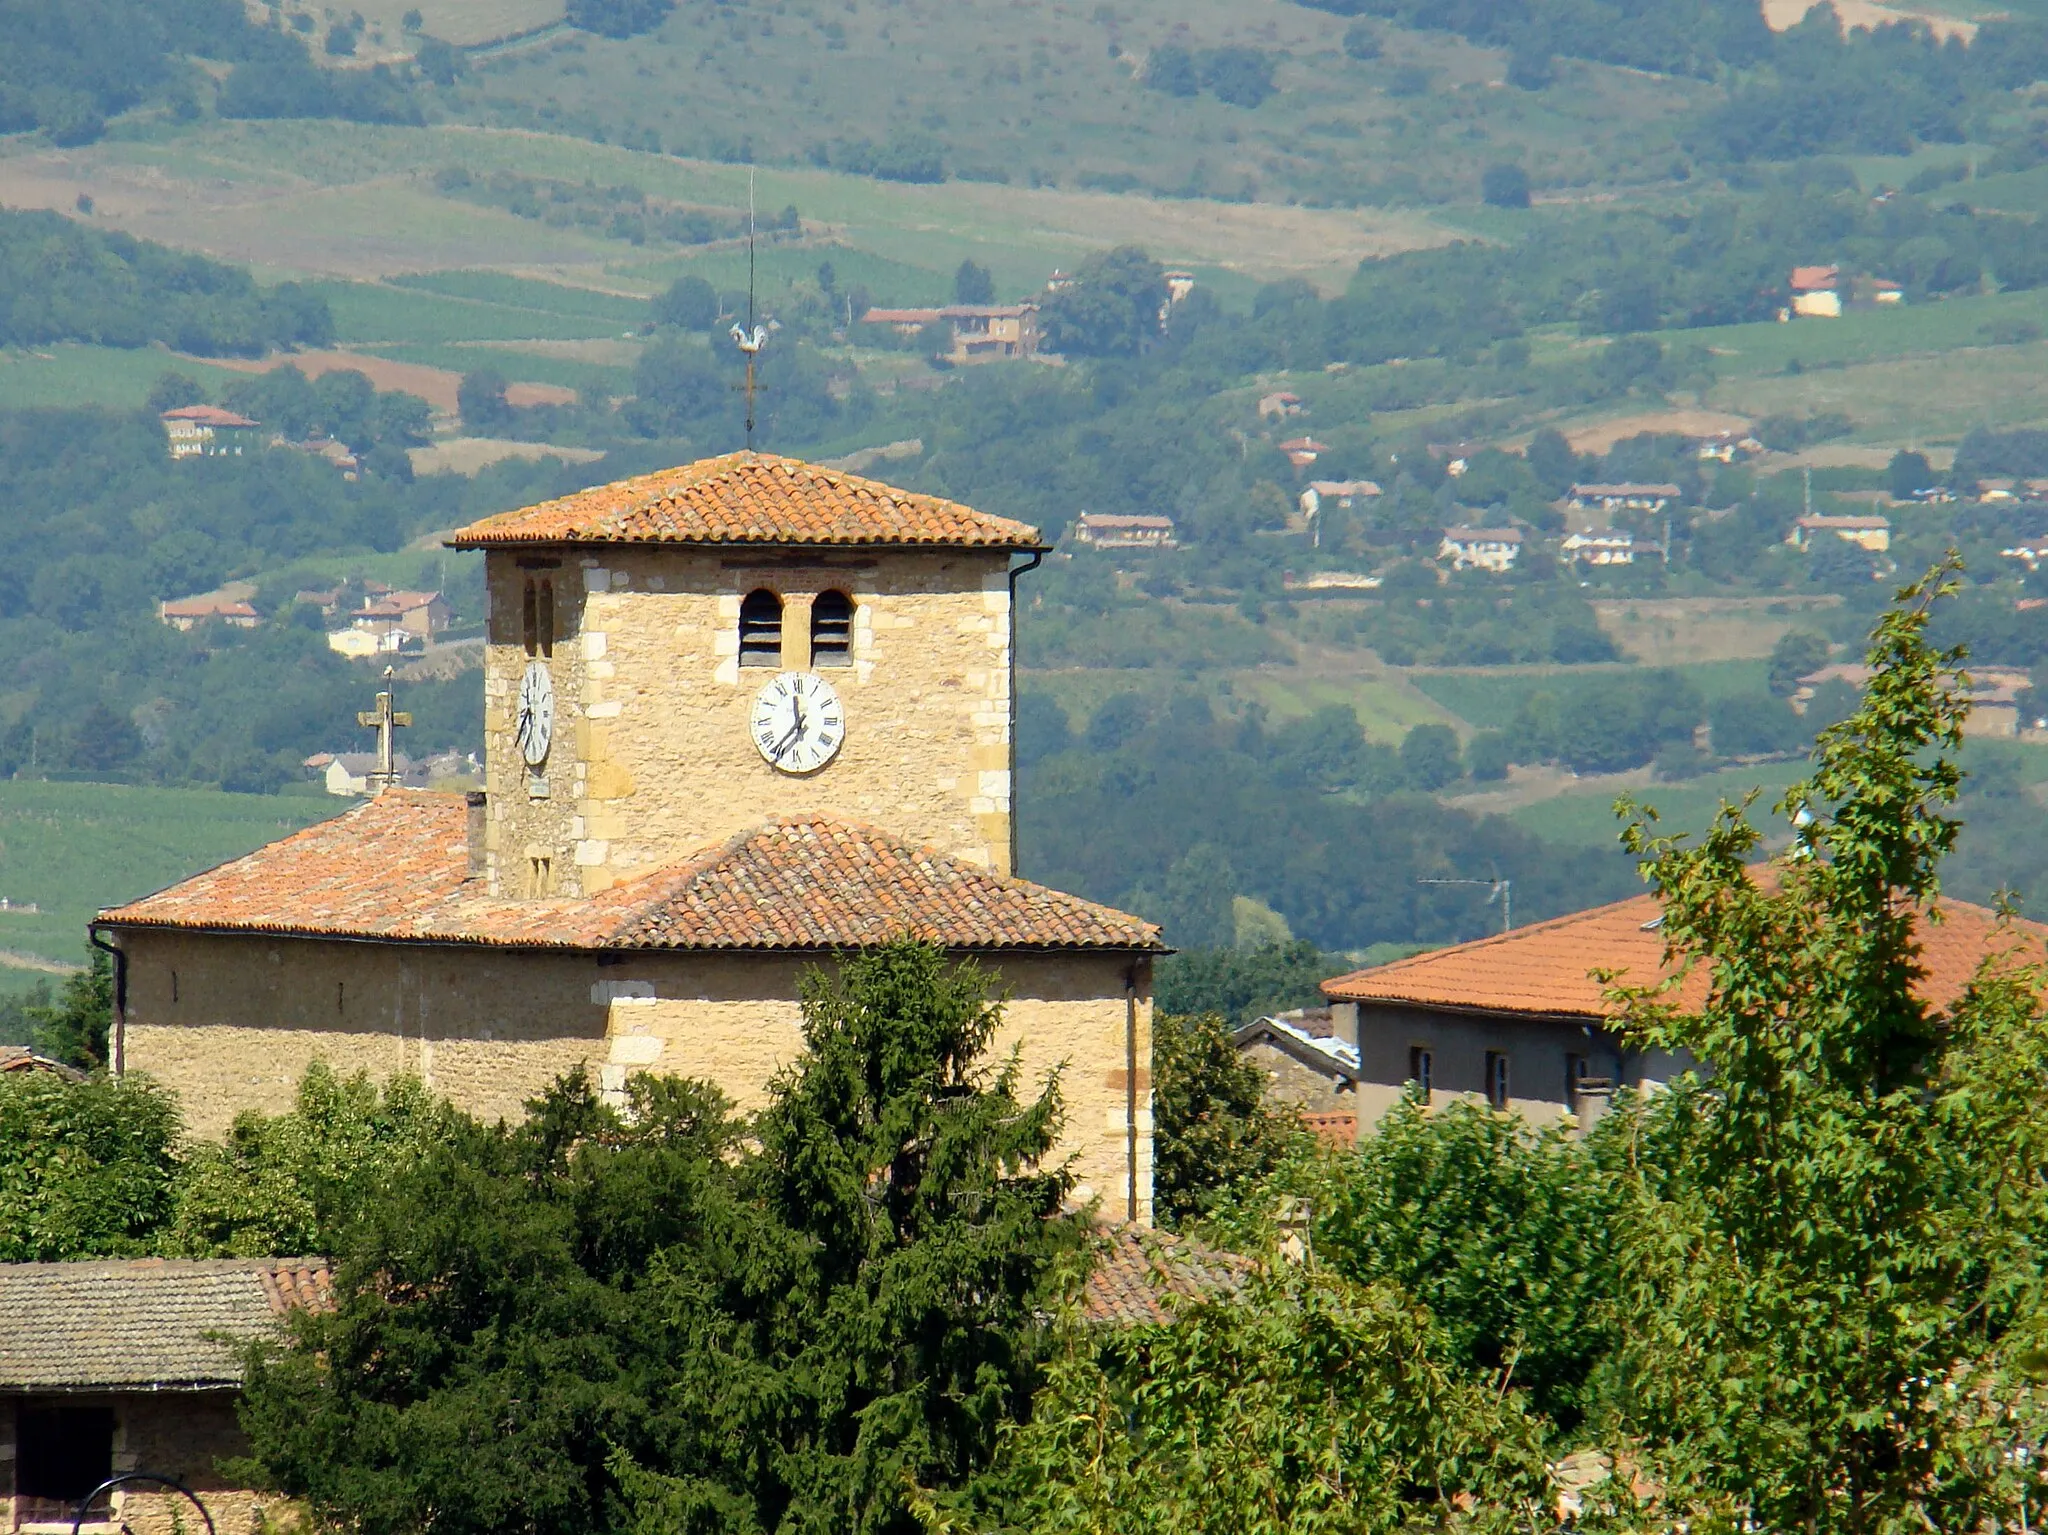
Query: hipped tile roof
x: 1138, y: 1267
x: 748, y: 498
x: 1544, y: 971
x: 397, y: 868
x: 145, y: 1324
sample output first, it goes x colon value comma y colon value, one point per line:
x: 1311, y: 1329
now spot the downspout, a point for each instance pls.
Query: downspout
x: 118, y: 1045
x: 1037, y: 559
x: 1131, y: 1092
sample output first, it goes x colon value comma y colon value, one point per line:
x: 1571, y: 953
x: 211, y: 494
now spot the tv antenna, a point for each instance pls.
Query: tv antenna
x: 1502, y: 890
x: 750, y: 337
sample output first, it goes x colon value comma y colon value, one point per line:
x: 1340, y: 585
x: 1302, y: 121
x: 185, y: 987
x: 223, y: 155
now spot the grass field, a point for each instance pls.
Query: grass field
x: 384, y: 312
x: 70, y: 374
x: 73, y: 848
x: 1487, y: 698
x: 1587, y: 820
x: 1907, y: 402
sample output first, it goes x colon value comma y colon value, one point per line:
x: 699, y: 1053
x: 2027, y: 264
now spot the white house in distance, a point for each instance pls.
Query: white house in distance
x: 207, y: 431
x: 1872, y: 532
x: 1491, y: 549
x: 1817, y: 292
x: 187, y: 613
x: 1343, y: 494
x: 1625, y: 495
x: 1591, y: 548
x: 1105, y: 530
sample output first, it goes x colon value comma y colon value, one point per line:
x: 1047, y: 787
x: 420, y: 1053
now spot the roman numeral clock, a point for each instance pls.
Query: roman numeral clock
x: 797, y: 722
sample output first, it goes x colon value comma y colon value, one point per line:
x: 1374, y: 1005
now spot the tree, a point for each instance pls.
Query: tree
x: 1110, y: 309
x: 1244, y: 984
x: 1303, y: 1403
x: 300, y: 1181
x: 173, y: 390
x: 1842, y: 1223
x: 1430, y: 757
x: 1171, y: 69
x: 480, y: 397
x: 1505, y: 186
x: 74, y: 1028
x: 672, y: 1318
x: 86, y: 1168
x: 1552, y: 462
x: 1751, y: 724
x: 619, y: 18
x: 1197, y: 906
x: 102, y: 739
x: 1907, y: 474
x: 1797, y: 653
x: 1238, y: 76
x: 1530, y: 66
x: 688, y: 303
x: 972, y: 284
x: 1212, y: 1131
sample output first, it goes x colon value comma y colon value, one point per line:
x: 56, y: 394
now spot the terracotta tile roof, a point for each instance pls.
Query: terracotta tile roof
x: 1544, y: 970
x: 22, y: 1058
x: 396, y: 868
x: 207, y: 415
x: 148, y: 1323
x: 748, y: 498
x: 1138, y: 1267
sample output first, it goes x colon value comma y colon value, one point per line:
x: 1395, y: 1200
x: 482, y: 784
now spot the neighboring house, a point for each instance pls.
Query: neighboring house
x: 348, y: 773
x: 1344, y: 494
x: 1727, y: 447
x: 135, y: 1365
x: 1279, y: 405
x: 1303, y: 451
x: 328, y: 602
x: 1519, y: 1020
x: 417, y: 613
x: 22, y: 1058
x: 207, y: 431
x: 1623, y: 496
x: 981, y: 332
x: 187, y: 613
x: 1816, y: 292
x: 2030, y: 553
x: 1102, y: 530
x: 1179, y: 284
x: 1883, y: 292
x: 1591, y: 548
x: 1872, y: 533
x: 1491, y: 549
x: 362, y: 644
x: 1329, y: 581
x: 1997, y: 489
x: 335, y: 455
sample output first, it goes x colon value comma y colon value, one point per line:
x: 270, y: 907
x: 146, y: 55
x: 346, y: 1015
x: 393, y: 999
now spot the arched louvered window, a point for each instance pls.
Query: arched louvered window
x: 761, y: 629
x: 538, y: 617
x: 832, y: 630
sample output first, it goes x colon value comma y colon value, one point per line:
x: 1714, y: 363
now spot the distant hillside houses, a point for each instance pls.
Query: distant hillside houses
x: 1344, y: 495
x: 1593, y: 548
x: 228, y: 606
x: 1622, y: 496
x: 1493, y: 549
x: 1869, y: 532
x: 390, y: 623
x: 981, y: 332
x: 1103, y: 530
x: 207, y: 431
x: 1821, y: 292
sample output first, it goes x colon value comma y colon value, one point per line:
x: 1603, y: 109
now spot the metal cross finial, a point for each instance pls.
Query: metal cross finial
x: 384, y: 719
x: 750, y: 338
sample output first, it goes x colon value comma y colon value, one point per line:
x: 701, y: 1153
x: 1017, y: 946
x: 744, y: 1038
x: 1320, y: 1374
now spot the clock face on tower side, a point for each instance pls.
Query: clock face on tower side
x: 535, y: 726
x: 797, y: 723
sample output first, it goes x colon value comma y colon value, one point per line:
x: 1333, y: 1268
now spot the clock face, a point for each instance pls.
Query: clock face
x: 797, y: 724
x: 535, y: 726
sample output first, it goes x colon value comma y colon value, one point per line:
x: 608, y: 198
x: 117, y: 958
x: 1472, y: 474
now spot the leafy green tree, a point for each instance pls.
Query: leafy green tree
x: 619, y: 18
x: 299, y: 1181
x: 688, y: 303
x: 1796, y: 653
x: 1552, y: 461
x: 74, y: 1028
x: 1430, y: 757
x: 1749, y: 724
x: 1172, y: 69
x: 677, y: 1319
x: 1213, y: 1132
x: 1505, y: 186
x: 972, y: 284
x: 1304, y: 1403
x: 480, y: 397
x: 1907, y: 473
x: 1110, y: 309
x: 173, y: 389
x: 1237, y: 75
x: 86, y: 1168
x: 1831, y: 1249
x: 1243, y: 984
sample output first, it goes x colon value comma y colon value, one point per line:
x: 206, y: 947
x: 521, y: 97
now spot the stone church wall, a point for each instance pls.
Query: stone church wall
x: 231, y: 1023
x: 652, y: 757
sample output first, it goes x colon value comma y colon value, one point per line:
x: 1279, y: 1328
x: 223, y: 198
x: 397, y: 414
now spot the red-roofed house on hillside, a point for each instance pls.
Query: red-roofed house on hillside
x: 1520, y: 1021
x: 1817, y: 292
x: 207, y: 431
x: 740, y: 716
x: 424, y: 614
x: 186, y: 613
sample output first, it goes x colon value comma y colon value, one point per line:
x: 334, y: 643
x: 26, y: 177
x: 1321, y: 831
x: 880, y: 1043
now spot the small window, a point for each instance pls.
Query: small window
x: 1497, y: 1078
x: 1421, y: 1065
x: 761, y: 629
x: 537, y: 617
x: 832, y: 630
x: 63, y: 1453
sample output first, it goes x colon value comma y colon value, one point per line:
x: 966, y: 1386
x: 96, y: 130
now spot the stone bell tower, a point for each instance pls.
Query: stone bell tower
x: 675, y: 658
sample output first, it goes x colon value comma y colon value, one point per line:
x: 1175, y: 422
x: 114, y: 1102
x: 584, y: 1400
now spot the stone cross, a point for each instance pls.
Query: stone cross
x: 384, y: 719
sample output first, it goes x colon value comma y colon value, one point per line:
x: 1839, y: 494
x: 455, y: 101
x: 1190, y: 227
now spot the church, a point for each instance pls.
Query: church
x: 739, y: 717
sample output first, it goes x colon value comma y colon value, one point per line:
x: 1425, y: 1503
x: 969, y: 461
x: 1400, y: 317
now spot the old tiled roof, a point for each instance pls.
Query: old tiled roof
x: 1544, y: 971
x: 396, y: 868
x: 22, y: 1058
x: 748, y: 498
x: 1138, y: 1267
x: 146, y: 1323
